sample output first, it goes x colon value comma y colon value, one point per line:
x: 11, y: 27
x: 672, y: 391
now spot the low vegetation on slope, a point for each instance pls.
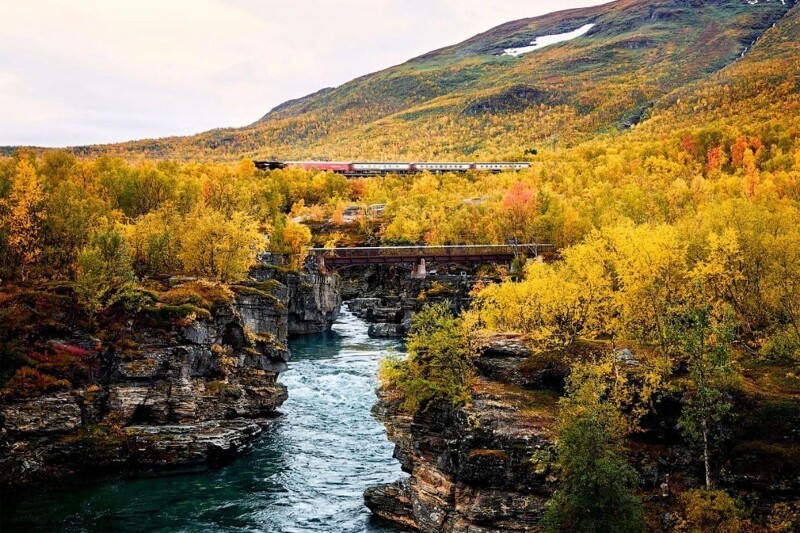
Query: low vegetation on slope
x: 678, y: 240
x: 474, y: 102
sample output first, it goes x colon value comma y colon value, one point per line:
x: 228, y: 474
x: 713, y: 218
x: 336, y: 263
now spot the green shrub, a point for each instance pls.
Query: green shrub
x: 438, y: 367
x: 782, y: 348
x: 133, y: 300
x: 598, y: 485
x: 709, y: 510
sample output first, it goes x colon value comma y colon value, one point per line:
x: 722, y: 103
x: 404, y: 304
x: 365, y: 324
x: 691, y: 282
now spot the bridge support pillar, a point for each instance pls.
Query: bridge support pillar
x: 420, y: 271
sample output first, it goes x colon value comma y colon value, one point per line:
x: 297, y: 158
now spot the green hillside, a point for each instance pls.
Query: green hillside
x: 473, y: 102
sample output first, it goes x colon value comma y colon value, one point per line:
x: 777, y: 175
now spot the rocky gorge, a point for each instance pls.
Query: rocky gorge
x: 387, y: 296
x: 172, y: 386
x: 176, y: 390
x: 182, y: 383
x: 490, y: 464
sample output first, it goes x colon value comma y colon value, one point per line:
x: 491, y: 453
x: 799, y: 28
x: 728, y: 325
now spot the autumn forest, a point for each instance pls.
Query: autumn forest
x: 674, y: 212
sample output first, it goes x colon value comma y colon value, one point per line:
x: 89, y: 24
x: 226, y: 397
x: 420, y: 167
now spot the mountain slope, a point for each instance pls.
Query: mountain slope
x: 759, y: 90
x: 472, y: 102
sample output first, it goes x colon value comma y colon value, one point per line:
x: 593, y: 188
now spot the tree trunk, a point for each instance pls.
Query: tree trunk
x: 706, y: 459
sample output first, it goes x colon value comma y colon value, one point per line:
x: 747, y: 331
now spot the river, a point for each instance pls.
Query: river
x: 307, y: 473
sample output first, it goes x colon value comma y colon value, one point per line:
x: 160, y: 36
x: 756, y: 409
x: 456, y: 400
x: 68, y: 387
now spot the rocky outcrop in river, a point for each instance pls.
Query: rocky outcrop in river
x: 485, y: 467
x: 387, y: 296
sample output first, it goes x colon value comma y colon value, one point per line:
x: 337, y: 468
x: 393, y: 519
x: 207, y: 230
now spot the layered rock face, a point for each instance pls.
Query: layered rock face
x: 488, y: 466
x: 313, y: 298
x: 387, y: 296
x: 189, y: 391
x: 314, y: 302
x: 193, y: 393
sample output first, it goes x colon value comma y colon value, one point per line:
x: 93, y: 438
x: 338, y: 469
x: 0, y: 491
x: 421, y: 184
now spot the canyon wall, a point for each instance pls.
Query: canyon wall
x: 189, y: 390
x: 490, y: 465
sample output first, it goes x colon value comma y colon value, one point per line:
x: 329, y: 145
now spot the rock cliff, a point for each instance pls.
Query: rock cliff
x: 485, y: 467
x: 490, y: 465
x: 313, y: 298
x: 387, y: 296
x: 168, y: 386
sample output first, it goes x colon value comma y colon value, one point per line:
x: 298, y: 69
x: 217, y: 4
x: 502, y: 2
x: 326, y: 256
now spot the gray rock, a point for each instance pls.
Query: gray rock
x: 267, y: 314
x: 314, y: 302
x: 191, y: 444
x: 140, y: 401
x: 386, y: 330
x: 359, y: 306
x: 51, y: 414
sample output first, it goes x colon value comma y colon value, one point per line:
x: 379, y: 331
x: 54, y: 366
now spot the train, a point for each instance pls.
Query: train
x: 356, y: 169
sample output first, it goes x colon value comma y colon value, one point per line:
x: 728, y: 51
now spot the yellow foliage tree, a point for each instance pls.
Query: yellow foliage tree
x: 218, y: 247
x: 297, y: 237
x: 24, y: 218
x: 651, y: 272
x: 154, y: 242
x: 556, y: 303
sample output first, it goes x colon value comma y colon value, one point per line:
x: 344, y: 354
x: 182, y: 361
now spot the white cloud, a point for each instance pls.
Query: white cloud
x: 89, y: 71
x: 19, y: 106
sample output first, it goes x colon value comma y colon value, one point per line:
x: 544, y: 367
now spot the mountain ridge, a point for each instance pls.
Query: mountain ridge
x: 465, y: 95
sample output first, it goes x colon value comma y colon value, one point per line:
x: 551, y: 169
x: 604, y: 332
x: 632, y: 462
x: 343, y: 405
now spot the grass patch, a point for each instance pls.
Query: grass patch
x: 500, y: 455
x: 100, y: 441
x: 166, y: 316
x: 258, y: 291
x: 222, y: 389
x: 769, y: 416
x: 777, y: 379
x: 203, y: 294
x: 773, y: 459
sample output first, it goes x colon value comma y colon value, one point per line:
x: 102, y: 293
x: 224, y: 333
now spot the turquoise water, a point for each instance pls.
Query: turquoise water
x: 307, y: 473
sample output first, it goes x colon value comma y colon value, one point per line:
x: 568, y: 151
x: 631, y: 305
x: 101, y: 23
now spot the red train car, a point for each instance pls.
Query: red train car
x: 331, y: 166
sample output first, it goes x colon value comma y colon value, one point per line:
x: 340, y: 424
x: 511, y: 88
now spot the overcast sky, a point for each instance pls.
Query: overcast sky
x: 95, y: 71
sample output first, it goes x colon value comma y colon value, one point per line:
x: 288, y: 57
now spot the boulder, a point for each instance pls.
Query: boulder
x: 386, y: 330
x: 191, y: 444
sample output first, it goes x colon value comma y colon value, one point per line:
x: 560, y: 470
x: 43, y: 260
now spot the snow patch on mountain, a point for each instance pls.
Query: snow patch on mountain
x: 547, y: 40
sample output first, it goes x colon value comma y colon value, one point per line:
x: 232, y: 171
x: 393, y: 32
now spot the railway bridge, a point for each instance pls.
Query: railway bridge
x: 418, y: 256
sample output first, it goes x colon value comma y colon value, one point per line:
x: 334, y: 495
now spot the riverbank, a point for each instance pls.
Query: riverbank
x: 306, y: 473
x: 179, y: 373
